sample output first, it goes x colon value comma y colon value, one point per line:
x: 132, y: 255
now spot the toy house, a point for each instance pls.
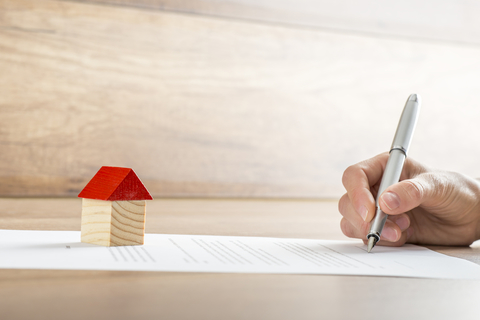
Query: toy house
x: 113, y: 208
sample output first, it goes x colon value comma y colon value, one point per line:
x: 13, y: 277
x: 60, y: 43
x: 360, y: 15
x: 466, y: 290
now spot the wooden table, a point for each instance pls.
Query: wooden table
x: 50, y: 294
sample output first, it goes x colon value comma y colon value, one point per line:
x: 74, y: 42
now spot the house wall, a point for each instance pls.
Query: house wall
x: 113, y: 223
x: 96, y: 222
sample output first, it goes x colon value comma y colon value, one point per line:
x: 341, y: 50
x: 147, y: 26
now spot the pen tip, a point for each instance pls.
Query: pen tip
x: 371, y: 243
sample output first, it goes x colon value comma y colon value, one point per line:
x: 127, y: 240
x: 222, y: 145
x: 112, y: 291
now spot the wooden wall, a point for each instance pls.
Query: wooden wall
x: 230, y: 99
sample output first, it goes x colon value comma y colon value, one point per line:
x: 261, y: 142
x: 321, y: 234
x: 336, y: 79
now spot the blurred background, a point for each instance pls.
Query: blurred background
x: 232, y: 98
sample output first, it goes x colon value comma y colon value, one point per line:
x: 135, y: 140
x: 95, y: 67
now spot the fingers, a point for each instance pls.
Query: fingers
x: 354, y: 226
x: 358, y: 205
x: 392, y: 233
x: 402, y: 221
x: 354, y: 219
x: 405, y: 237
x: 358, y: 180
x: 406, y: 195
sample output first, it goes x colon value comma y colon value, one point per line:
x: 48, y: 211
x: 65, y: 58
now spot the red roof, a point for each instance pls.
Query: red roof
x: 115, y: 184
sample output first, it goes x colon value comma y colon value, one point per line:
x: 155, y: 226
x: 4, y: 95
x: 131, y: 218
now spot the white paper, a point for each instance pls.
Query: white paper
x: 193, y: 253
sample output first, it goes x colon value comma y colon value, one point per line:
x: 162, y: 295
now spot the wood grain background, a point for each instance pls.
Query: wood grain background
x: 232, y: 98
x: 447, y: 20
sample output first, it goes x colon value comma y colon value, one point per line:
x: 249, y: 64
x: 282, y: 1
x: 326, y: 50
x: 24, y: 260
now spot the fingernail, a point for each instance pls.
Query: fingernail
x: 363, y: 212
x: 389, y: 234
x: 391, y: 200
x: 403, y: 223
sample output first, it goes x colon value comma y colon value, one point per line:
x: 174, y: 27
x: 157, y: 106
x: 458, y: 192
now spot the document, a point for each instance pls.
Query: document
x: 227, y: 254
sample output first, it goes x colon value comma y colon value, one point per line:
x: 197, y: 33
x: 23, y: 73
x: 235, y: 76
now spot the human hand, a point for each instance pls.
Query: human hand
x: 426, y: 207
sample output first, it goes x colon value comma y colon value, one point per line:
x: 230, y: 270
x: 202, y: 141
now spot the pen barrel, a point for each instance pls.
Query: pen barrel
x: 391, y: 175
x: 407, y: 124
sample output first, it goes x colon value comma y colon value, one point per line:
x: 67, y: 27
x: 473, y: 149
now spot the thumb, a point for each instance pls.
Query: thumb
x: 405, y: 195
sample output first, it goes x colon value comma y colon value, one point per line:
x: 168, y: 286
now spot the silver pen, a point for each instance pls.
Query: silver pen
x: 396, y: 159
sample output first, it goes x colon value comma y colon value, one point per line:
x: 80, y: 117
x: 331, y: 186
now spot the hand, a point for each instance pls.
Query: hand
x: 425, y: 207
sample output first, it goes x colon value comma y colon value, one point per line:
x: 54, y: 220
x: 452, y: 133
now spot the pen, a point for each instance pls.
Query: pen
x: 396, y: 159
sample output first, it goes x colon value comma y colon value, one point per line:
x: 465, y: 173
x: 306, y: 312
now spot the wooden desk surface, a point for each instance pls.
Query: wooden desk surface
x: 47, y: 294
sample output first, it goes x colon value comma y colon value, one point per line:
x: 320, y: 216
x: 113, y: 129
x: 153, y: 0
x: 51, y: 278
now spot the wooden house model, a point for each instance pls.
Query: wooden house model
x: 113, y: 208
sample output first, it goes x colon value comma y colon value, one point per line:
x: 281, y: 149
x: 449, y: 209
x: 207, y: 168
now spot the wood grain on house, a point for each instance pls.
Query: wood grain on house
x: 113, y: 223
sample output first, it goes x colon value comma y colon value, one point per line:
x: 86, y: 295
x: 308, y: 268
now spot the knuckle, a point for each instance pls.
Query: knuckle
x: 414, y: 190
x: 342, y: 203
x: 348, y: 173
